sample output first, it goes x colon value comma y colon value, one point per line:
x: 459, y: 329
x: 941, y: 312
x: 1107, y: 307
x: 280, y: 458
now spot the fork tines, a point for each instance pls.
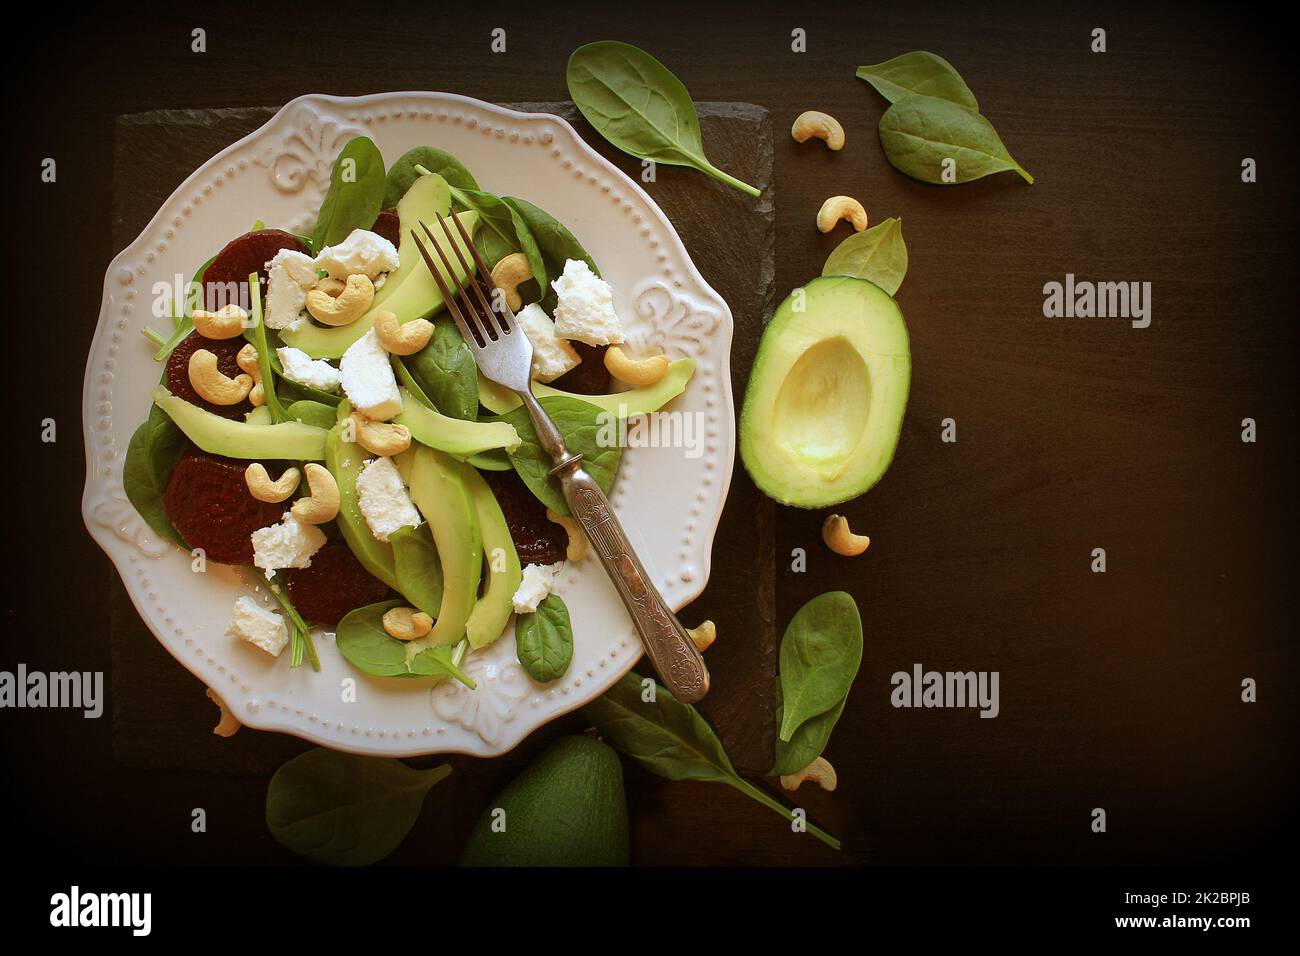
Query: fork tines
x: 478, y: 321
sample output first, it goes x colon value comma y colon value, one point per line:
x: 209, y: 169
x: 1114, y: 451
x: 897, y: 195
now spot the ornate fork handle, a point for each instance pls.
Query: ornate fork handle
x: 669, y: 647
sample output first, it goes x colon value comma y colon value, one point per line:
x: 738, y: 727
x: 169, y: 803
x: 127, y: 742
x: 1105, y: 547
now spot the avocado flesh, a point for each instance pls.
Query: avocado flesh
x: 236, y: 439
x: 492, y: 612
x: 410, y: 292
x: 344, y: 461
x: 826, y: 396
x: 635, y: 401
x: 440, y: 490
x: 460, y: 439
x: 426, y: 196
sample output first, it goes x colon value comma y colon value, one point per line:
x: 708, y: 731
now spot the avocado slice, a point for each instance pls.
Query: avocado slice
x: 440, y: 490
x: 410, y: 292
x: 567, y: 809
x: 428, y: 195
x: 635, y: 401
x: 826, y: 396
x: 344, y: 461
x: 457, y: 438
x: 493, y: 610
x: 235, y: 439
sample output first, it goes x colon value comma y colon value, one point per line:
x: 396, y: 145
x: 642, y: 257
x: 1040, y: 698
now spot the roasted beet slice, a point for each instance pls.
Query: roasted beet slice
x: 178, y: 371
x: 589, y: 377
x: 333, y: 585
x: 208, y: 503
x: 388, y: 225
x: 226, y: 278
x: 538, y: 539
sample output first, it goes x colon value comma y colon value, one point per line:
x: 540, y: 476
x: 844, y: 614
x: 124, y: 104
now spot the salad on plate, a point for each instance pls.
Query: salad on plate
x: 320, y: 423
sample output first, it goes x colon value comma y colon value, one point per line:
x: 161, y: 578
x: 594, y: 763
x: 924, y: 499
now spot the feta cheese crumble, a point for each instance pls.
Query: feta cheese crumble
x: 536, y: 584
x: 303, y: 369
x: 262, y: 628
x: 289, y: 544
x: 383, y: 498
x: 367, y: 378
x: 585, y: 310
x: 552, y: 356
x: 290, y: 276
x: 362, y: 252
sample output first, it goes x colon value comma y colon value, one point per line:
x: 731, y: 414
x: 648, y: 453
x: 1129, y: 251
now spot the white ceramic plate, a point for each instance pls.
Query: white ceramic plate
x: 669, y: 499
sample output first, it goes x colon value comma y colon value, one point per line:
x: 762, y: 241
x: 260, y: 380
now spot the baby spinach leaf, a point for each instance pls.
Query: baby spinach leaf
x: 918, y: 72
x: 445, y: 372
x: 919, y: 132
x: 418, y: 570
x: 556, y: 243
x: 636, y: 103
x: 878, y: 254
x: 403, y: 172
x: 312, y: 413
x: 544, y: 640
x: 672, y: 740
x: 587, y: 431
x: 343, y: 809
x: 501, y: 231
x: 808, y: 742
x: 820, y: 654
x: 355, y: 194
x: 155, y: 448
x: 365, y: 644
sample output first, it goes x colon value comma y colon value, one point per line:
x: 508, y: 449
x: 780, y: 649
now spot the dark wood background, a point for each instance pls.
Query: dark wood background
x: 1118, y: 690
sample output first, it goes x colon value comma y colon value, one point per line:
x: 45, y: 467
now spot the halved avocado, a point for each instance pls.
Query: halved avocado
x: 344, y: 461
x: 458, y: 438
x: 826, y: 396
x: 236, y: 439
x: 635, y: 401
x: 493, y: 610
x: 440, y: 490
x: 410, y: 292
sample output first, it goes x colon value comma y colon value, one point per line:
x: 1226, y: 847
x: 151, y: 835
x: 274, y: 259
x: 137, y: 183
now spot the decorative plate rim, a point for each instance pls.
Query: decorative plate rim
x: 99, y: 488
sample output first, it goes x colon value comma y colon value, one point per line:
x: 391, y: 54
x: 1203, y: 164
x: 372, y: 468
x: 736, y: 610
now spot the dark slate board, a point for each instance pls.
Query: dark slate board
x: 161, y: 718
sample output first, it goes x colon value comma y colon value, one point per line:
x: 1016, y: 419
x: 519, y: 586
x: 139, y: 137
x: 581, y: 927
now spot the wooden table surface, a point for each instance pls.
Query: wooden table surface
x: 1118, y: 690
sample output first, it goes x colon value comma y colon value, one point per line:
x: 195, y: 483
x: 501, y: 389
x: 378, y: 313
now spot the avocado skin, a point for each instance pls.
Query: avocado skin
x: 566, y: 809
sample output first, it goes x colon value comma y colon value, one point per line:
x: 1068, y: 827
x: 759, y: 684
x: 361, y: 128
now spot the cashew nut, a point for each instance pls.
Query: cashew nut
x: 841, y: 207
x: 323, y: 504
x: 380, y: 438
x: 402, y: 338
x: 406, y: 623
x: 812, y: 123
x: 352, y: 303
x: 509, y: 273
x: 577, y: 547
x: 247, y: 360
x: 838, y: 537
x: 229, y: 724
x: 261, y: 487
x: 638, y: 372
x: 331, y: 286
x: 819, y: 770
x: 213, y: 385
x: 703, y: 636
x: 225, y: 323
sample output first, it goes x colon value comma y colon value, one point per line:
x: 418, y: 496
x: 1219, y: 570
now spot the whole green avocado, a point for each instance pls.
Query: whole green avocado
x: 566, y: 809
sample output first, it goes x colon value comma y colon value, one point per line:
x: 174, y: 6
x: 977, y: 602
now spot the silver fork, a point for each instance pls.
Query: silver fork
x: 505, y: 355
